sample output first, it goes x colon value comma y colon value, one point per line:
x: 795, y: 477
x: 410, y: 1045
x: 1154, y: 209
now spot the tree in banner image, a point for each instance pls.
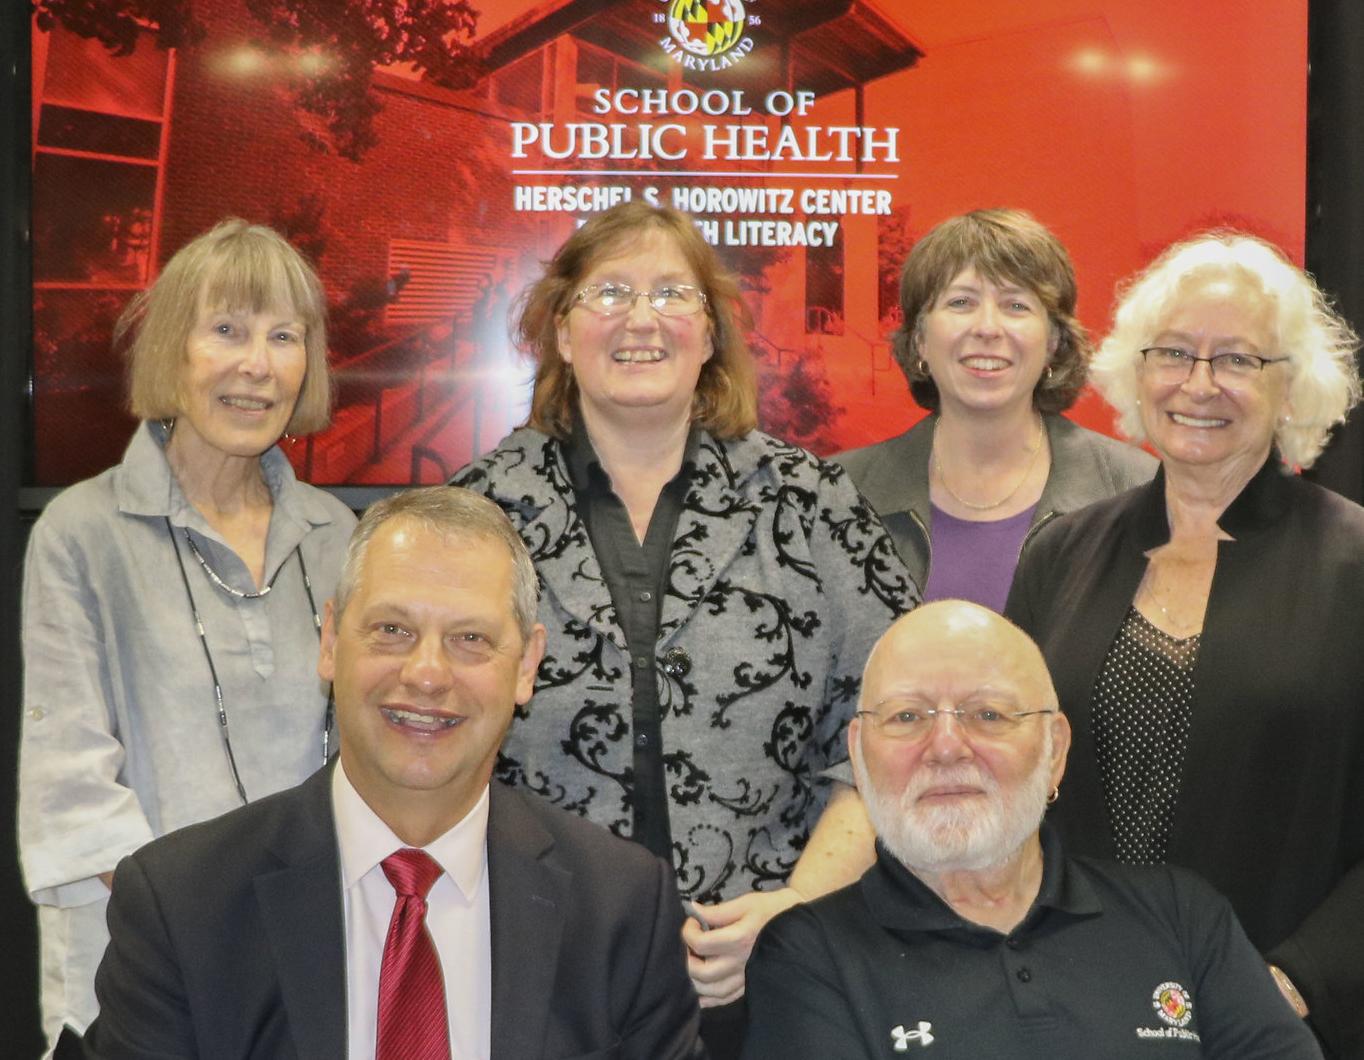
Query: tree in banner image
x: 349, y: 38
x: 796, y: 402
x: 117, y: 24
x: 894, y: 240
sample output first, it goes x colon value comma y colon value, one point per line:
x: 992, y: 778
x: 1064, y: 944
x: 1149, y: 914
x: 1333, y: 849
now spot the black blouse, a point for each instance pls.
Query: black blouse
x: 1271, y: 800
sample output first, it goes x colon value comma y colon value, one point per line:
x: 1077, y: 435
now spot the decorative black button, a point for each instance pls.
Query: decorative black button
x: 642, y: 739
x: 1024, y: 976
x: 676, y: 662
x: 645, y: 596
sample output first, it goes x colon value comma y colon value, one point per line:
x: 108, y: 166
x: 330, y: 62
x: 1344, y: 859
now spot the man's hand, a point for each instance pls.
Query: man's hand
x: 716, y: 954
x: 1288, y: 990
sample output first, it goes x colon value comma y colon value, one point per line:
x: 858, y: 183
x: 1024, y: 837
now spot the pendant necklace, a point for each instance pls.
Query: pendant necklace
x: 217, y: 580
x: 974, y: 506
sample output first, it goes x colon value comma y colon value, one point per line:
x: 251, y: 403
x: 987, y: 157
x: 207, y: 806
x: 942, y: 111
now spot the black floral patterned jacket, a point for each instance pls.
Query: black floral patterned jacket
x: 781, y: 579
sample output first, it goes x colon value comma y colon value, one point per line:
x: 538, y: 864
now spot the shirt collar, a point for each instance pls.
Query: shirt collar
x: 900, y: 901
x: 584, y: 466
x: 363, y: 840
x: 580, y: 458
x: 146, y: 485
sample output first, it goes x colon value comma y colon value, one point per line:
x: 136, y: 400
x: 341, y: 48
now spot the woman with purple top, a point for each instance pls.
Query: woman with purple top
x: 991, y: 347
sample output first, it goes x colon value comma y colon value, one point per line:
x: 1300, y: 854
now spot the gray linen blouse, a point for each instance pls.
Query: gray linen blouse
x: 120, y: 737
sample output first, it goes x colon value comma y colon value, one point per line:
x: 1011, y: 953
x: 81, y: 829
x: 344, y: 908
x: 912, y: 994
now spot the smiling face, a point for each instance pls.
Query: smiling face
x: 427, y: 663
x: 955, y: 801
x: 240, y: 380
x: 1227, y: 426
x: 639, y: 367
x: 986, y: 344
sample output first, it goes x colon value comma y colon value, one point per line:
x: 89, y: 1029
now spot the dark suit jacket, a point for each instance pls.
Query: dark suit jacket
x: 227, y: 940
x: 1271, y: 803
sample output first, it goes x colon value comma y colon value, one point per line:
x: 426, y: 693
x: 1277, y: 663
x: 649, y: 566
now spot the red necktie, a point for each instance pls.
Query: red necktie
x: 412, y: 1020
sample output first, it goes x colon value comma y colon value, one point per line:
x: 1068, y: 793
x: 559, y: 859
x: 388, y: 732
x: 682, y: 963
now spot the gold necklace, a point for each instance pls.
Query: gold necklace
x: 937, y: 466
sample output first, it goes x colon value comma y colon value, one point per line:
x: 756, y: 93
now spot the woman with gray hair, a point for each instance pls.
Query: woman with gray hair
x: 176, y: 593
x: 1202, y: 630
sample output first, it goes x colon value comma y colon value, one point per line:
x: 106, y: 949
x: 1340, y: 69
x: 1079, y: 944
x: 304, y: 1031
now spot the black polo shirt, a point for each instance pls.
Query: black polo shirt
x: 1111, y: 962
x: 637, y: 575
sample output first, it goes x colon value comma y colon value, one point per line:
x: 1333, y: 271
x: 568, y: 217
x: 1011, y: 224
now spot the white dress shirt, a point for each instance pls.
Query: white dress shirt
x: 456, y: 915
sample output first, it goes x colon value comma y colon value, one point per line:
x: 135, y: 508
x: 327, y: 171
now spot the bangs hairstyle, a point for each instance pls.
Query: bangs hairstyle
x: 1004, y: 247
x: 1323, y: 382
x: 726, y: 399
x: 235, y: 266
x: 457, y: 515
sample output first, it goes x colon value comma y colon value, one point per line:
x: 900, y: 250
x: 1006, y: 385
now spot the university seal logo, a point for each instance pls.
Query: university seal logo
x: 706, y: 28
x: 1173, y: 1004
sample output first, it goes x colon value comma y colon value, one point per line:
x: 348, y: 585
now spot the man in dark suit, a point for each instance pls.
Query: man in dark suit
x: 288, y: 929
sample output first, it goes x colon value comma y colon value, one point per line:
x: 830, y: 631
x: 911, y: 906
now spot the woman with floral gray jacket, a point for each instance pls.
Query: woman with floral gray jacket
x: 710, y: 593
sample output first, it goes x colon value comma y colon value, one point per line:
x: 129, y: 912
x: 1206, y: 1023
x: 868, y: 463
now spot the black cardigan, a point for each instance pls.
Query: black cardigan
x: 1271, y: 805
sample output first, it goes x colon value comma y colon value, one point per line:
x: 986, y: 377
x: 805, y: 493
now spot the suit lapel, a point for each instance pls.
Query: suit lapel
x: 527, y: 897
x: 301, y: 908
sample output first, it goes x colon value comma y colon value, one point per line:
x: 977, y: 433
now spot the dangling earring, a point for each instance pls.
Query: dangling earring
x: 1047, y: 373
x: 921, y: 367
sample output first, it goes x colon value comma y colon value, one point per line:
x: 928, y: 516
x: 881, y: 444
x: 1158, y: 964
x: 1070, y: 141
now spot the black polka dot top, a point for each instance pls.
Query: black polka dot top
x: 1143, y: 703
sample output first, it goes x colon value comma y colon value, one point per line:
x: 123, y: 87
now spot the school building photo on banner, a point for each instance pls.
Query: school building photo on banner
x: 428, y: 168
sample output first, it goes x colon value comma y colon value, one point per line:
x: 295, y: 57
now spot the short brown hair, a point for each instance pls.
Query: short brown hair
x: 726, y: 398
x: 234, y: 265
x: 1004, y: 246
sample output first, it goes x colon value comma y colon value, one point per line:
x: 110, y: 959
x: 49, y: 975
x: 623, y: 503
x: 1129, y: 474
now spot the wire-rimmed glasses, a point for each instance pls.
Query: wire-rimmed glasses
x: 1170, y: 364
x: 617, y: 299
x: 912, y: 721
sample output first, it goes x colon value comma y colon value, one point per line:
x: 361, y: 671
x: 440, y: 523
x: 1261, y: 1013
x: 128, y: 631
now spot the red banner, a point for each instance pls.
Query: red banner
x: 428, y: 168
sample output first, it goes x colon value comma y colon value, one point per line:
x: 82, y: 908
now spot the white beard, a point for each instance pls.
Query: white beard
x: 969, y: 837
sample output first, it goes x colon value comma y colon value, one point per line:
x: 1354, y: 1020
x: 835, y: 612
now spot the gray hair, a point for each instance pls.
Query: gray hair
x: 452, y: 512
x: 1320, y: 344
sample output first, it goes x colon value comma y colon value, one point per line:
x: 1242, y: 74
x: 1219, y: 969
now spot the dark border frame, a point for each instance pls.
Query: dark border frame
x: 20, y: 1027
x: 1334, y: 252
x: 1335, y: 209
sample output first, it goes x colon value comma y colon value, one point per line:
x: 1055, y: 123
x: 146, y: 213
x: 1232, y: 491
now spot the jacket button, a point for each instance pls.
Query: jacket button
x: 676, y: 662
x: 1024, y: 975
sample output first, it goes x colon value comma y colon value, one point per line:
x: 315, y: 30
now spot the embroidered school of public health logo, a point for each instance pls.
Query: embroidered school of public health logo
x: 1173, y: 1004
x: 707, y: 34
x: 901, y: 1037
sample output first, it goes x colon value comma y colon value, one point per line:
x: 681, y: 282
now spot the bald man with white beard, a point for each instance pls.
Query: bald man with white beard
x: 974, y: 933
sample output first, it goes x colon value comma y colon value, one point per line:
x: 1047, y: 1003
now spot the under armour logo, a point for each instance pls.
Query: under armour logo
x: 903, y: 1037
